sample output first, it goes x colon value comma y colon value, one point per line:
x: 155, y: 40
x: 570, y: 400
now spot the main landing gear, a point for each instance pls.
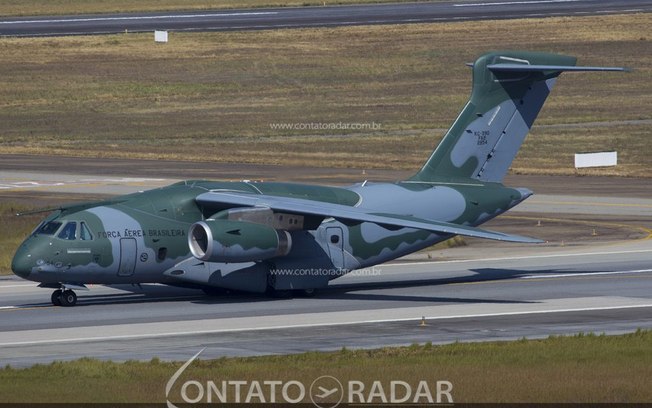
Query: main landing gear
x: 64, y: 297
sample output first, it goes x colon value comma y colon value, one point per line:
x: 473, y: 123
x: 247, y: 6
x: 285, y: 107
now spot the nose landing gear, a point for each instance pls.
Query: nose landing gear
x: 64, y: 294
x: 65, y: 297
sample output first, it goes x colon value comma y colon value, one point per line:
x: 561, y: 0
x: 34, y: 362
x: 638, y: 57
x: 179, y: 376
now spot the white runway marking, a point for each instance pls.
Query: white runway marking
x: 511, y: 3
x: 517, y: 258
x: 46, y: 183
x: 27, y: 285
x: 28, y: 184
x: 172, y: 16
x: 569, y: 275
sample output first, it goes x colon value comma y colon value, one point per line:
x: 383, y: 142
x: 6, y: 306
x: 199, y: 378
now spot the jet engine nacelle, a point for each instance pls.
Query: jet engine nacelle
x: 236, y: 241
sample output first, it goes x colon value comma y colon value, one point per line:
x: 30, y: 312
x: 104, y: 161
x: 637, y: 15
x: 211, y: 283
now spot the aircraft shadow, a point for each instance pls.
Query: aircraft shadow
x: 480, y: 275
x: 412, y: 298
x: 344, y: 291
x: 347, y: 290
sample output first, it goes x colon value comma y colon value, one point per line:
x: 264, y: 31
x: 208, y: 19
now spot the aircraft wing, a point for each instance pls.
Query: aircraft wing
x: 346, y: 213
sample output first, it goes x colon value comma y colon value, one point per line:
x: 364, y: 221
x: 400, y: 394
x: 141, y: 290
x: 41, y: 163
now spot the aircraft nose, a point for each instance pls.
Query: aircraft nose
x: 22, y: 262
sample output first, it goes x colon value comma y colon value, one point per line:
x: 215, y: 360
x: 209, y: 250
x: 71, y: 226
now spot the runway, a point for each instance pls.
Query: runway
x: 490, y: 297
x: 328, y: 16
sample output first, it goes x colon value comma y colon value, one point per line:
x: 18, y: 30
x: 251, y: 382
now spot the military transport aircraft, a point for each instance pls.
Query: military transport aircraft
x: 283, y: 238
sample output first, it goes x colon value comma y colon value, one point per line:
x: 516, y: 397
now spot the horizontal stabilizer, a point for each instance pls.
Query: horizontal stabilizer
x: 346, y: 213
x: 543, y: 68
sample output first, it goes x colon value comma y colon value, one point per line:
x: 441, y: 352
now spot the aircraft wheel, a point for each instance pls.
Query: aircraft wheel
x: 68, y: 298
x: 56, y: 297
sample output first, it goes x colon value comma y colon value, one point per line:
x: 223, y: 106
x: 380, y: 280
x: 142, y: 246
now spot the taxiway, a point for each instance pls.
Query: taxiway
x: 327, y: 16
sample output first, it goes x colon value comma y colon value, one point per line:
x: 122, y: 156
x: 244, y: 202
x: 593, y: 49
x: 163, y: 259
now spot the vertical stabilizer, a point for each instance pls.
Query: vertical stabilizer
x: 509, y: 89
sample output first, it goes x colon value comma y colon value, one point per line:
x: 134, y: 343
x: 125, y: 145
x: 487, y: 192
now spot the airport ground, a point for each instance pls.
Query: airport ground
x: 592, y: 275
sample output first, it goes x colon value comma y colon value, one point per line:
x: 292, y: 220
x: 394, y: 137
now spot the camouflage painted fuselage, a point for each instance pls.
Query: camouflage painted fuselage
x: 143, y: 237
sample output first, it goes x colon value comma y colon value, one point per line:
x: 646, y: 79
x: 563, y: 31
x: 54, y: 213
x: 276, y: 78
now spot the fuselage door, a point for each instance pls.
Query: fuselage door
x: 335, y: 240
x: 127, y: 257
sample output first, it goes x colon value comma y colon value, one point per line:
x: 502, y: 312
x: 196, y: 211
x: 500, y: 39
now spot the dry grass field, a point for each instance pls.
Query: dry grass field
x: 218, y: 96
x: 578, y: 369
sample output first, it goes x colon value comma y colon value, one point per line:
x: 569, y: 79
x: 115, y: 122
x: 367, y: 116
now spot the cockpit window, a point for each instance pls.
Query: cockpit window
x: 85, y: 232
x: 48, y: 228
x: 68, y: 232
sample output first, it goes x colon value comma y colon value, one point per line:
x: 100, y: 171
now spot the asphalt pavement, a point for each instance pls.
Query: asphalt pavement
x: 301, y: 17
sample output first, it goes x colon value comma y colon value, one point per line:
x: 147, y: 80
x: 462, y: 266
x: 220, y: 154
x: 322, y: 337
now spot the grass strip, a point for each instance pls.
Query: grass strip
x: 582, y: 368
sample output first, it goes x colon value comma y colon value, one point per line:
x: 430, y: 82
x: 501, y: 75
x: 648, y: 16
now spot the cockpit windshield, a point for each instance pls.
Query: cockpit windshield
x: 49, y: 228
x: 68, y: 232
x: 85, y: 232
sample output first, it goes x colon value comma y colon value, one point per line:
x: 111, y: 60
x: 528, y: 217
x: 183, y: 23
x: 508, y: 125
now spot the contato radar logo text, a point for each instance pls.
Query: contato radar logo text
x: 325, y: 391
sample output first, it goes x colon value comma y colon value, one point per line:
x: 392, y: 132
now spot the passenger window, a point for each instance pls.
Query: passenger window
x: 68, y: 232
x: 85, y: 232
x: 49, y: 228
x: 162, y: 254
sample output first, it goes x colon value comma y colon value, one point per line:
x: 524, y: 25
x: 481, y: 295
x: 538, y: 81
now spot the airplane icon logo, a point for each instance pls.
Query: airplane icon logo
x: 326, y: 392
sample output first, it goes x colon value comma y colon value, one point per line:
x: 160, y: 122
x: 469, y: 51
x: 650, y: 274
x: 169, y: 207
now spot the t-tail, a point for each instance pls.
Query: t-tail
x: 509, y: 89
